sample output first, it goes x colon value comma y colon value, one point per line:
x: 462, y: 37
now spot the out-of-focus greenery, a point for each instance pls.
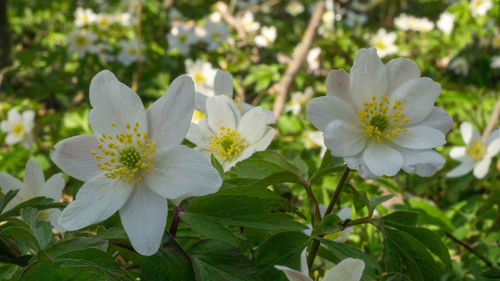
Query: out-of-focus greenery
x: 43, y: 76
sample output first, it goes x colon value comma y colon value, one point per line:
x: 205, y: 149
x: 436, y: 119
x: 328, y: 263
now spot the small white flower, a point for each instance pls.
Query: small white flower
x: 384, y: 42
x: 348, y: 269
x: 445, y: 22
x: 314, y: 139
x: 81, y: 42
x: 130, y: 51
x: 380, y: 118
x: 34, y: 185
x: 355, y: 19
x: 181, y: 38
x: 402, y: 22
x: 217, y: 32
x: 124, y: 19
x: 299, y: 100
x: 266, y: 37
x: 203, y: 75
x: 227, y: 134
x: 215, y: 17
x: 460, y: 66
x: 248, y: 22
x: 84, y: 17
x: 104, y: 50
x: 313, y: 58
x: 294, y: 8
x: 480, y: 7
x: 134, y: 160
x: 104, y: 21
x: 328, y: 17
x: 495, y: 62
x: 424, y: 25
x: 19, y: 128
x: 475, y: 155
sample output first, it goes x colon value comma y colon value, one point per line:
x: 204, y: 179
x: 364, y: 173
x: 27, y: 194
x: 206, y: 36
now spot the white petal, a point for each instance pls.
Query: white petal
x: 113, y: 101
x: 33, y: 175
x: 367, y: 78
x: 53, y: 217
x: 469, y: 133
x: 53, y: 187
x: 223, y: 83
x: 199, y: 102
x: 14, y: 117
x: 337, y: 84
x: 220, y: 113
x: 424, y: 163
x: 303, y: 261
x: 420, y: 137
x: 293, y: 275
x: 5, y: 126
x: 265, y: 141
x: 400, y: 71
x: 458, y: 152
x: 323, y: 110
x: 73, y: 156
x: 493, y: 136
x: 344, y: 213
x: 28, y: 119
x: 8, y: 183
x: 11, y: 139
x: 97, y: 200
x: 199, y: 134
x: 169, y: 117
x: 462, y: 169
x: 144, y: 217
x: 344, y: 235
x: 348, y: 269
x: 438, y: 119
x: 493, y: 148
x: 344, y: 139
x: 382, y: 160
x: 181, y: 172
x: 355, y: 163
x: 481, y: 168
x: 417, y: 97
x: 253, y: 125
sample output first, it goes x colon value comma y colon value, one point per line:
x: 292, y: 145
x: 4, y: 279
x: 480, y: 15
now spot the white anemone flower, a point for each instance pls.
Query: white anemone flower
x: 475, y: 155
x: 248, y: 22
x: 203, y: 75
x: 495, y: 62
x: 424, y: 25
x: 104, y: 21
x: 402, y: 22
x: 19, y: 128
x: 134, y: 160
x: 229, y: 135
x: 348, y: 269
x: 181, y: 38
x: 294, y: 8
x: 445, y: 22
x: 384, y: 42
x: 216, y: 33
x: 460, y: 66
x: 381, y: 118
x: 34, y: 185
x: 81, y: 42
x: 84, y: 17
x: 130, y: 51
x: 266, y: 37
x: 313, y: 57
x: 299, y: 100
x: 480, y: 7
x: 124, y: 19
x: 314, y: 139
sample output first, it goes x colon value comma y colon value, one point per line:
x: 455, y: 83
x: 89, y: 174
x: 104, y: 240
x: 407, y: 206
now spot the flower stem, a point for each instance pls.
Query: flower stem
x: 175, y: 220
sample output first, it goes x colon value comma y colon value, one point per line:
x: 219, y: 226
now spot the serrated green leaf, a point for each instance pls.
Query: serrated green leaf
x: 40, y: 229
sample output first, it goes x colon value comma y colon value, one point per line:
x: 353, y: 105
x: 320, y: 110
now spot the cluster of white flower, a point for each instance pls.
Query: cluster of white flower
x: 406, y: 22
x: 266, y: 37
x: 85, y: 17
x: 480, y: 7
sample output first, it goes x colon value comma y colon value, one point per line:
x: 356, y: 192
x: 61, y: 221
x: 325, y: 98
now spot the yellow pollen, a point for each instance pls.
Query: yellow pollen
x: 199, y: 77
x: 227, y: 144
x: 18, y: 129
x: 381, y: 121
x: 380, y: 45
x: 133, y: 152
x: 239, y: 105
x: 476, y: 150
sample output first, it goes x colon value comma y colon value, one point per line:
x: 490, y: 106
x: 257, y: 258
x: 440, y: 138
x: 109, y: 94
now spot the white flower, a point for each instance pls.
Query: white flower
x: 402, y: 22
x: 34, y: 185
x: 299, y: 101
x: 81, y: 42
x: 215, y: 17
x: 174, y: 14
x: 227, y: 134
x: 313, y: 58
x: 355, y: 19
x: 84, y: 17
x: 134, y: 160
x: 124, y: 19
x: 248, y: 22
x: 405, y: 22
x: 475, y: 155
x: 203, y: 75
x: 424, y: 25
x: 181, y: 38
x: 445, y: 22
x: 104, y: 50
x: 348, y: 269
x: 266, y: 37
x: 480, y: 7
x: 328, y: 17
x: 384, y: 42
x: 294, y: 8
x: 19, y: 128
x: 381, y: 118
x: 460, y: 66
x: 130, y: 51
x: 495, y: 62
x: 314, y: 139
x: 217, y: 32
x: 104, y: 21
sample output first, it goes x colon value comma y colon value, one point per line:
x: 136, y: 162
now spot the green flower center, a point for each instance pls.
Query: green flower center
x: 227, y: 144
x: 18, y: 129
x: 129, y: 157
x: 476, y: 150
x: 379, y: 121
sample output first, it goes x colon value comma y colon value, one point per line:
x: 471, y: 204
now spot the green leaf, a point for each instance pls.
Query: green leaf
x: 217, y: 165
x: 377, y: 200
x: 75, y: 244
x: 208, y: 227
x: 40, y: 229
x: 216, y: 260
x: 329, y: 164
x: 170, y: 263
x: 40, y: 203
x: 21, y: 233
x: 429, y: 214
x: 359, y: 198
x: 401, y: 218
x: 336, y: 252
x: 284, y: 249
x: 5, y: 199
x: 492, y: 272
x: 330, y: 224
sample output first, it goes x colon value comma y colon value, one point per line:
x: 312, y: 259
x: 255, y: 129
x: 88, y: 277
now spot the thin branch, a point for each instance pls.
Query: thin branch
x: 282, y: 87
x: 493, y: 120
x: 481, y: 257
x: 336, y: 195
x: 231, y: 20
x: 263, y: 6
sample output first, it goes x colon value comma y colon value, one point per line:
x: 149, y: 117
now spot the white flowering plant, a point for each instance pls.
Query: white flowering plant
x: 249, y: 140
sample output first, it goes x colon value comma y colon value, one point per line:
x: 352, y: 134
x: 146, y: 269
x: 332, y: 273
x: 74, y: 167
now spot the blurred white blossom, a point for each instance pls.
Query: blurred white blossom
x: 495, y: 62
x: 248, y: 22
x: 81, y: 42
x: 84, y: 17
x: 266, y: 37
x: 181, y: 38
x: 445, y: 22
x: 299, y: 100
x: 480, y: 7
x: 130, y: 50
x: 384, y: 42
x: 104, y: 21
x: 460, y: 66
x: 203, y: 75
x: 294, y: 8
x: 313, y: 58
x: 19, y: 128
x: 216, y: 33
x: 354, y: 19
